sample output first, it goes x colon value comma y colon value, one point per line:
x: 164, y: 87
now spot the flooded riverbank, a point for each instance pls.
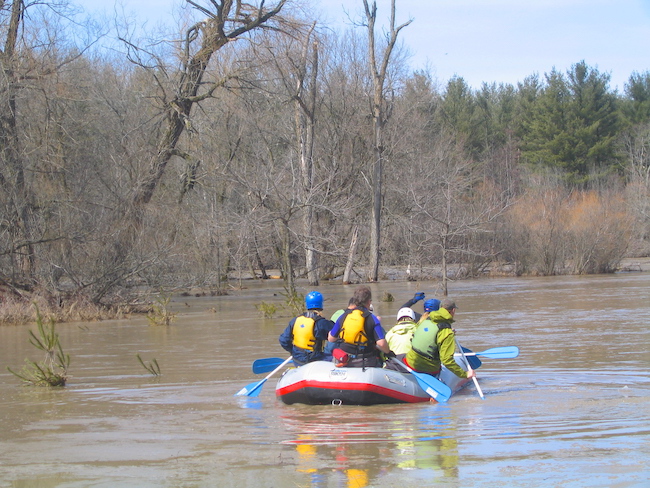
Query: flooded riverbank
x: 570, y: 411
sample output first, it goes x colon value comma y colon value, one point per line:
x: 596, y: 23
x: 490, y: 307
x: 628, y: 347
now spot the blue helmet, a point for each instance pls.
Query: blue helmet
x: 431, y: 305
x: 314, y: 299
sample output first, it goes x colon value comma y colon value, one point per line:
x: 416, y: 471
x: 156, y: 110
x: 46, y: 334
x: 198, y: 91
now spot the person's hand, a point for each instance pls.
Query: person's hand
x: 391, y: 354
x: 418, y: 296
x: 471, y: 374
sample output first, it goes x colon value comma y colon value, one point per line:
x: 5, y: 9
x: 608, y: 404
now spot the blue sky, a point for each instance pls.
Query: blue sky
x: 490, y: 40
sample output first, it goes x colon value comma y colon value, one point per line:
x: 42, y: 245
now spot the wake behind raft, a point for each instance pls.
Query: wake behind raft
x: 323, y: 383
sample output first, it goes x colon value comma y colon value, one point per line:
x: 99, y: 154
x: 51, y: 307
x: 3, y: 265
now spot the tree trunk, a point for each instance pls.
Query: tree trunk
x: 445, y: 250
x: 305, y: 108
x: 351, y: 254
x: 379, y: 116
x: 287, y: 265
x: 377, y: 173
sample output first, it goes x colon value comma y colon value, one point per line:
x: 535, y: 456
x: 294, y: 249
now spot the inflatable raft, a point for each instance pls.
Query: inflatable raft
x: 322, y: 383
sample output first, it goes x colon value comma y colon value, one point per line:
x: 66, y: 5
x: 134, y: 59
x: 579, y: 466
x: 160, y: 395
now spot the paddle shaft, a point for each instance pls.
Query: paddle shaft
x: 469, y: 368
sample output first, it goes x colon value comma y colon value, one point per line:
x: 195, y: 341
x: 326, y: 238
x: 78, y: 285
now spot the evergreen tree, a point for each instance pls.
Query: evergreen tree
x: 636, y: 107
x: 594, y: 120
x: 542, y: 141
x: 458, y: 113
x: 528, y: 93
x: 573, y: 125
x: 494, y: 116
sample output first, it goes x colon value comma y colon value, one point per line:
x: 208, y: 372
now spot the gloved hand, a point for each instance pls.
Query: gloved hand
x: 418, y: 296
x: 391, y: 354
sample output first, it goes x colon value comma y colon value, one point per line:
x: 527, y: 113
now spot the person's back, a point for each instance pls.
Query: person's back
x: 358, y: 334
x: 400, y: 335
x: 434, y: 343
x: 356, y: 337
x: 305, y: 336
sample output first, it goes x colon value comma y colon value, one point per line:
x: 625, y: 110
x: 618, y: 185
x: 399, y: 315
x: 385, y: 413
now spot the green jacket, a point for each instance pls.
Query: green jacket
x: 399, y: 337
x: 435, y: 342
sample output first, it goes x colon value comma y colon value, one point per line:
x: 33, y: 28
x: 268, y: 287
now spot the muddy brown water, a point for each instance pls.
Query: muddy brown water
x: 572, y: 410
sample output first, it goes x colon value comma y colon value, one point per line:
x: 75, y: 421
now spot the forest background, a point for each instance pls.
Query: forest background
x: 254, y: 140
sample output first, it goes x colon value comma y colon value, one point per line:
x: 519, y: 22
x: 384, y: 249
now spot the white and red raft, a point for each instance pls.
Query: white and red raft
x: 323, y: 383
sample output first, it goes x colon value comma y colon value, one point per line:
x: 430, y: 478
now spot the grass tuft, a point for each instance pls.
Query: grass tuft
x: 53, y: 370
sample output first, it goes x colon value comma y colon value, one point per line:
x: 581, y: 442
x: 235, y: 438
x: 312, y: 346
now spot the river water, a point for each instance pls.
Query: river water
x: 572, y: 410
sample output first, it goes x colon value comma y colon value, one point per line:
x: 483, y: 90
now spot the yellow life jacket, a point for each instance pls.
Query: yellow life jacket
x: 353, y: 329
x: 304, y: 335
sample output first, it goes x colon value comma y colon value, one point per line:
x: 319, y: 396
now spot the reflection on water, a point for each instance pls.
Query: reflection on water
x: 350, y: 440
x: 572, y: 407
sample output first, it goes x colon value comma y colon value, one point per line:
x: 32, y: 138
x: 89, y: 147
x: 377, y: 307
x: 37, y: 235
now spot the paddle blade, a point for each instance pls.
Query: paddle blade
x: 473, y: 361
x: 266, y: 364
x: 436, y: 389
x: 433, y: 387
x: 507, y: 352
x: 252, y: 389
x: 439, y: 397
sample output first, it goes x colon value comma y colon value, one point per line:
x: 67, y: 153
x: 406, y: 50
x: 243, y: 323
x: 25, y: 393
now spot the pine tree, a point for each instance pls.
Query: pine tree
x: 636, y: 107
x: 573, y: 125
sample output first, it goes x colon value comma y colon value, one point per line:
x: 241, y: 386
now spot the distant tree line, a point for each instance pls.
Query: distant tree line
x: 256, y: 140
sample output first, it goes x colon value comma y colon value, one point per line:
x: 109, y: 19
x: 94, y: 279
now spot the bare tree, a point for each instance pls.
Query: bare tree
x: 380, y: 114
x: 226, y: 21
x: 300, y: 82
x: 18, y: 198
x: 305, y: 110
x: 32, y: 55
x: 636, y: 144
x: 444, y: 202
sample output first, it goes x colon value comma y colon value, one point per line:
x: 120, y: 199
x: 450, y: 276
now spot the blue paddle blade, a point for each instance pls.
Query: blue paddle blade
x: 433, y: 387
x: 252, y: 389
x: 507, y: 352
x: 440, y: 392
x: 473, y: 361
x: 265, y: 365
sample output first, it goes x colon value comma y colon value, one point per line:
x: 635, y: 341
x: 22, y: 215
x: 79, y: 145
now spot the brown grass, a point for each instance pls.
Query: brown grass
x: 17, y: 310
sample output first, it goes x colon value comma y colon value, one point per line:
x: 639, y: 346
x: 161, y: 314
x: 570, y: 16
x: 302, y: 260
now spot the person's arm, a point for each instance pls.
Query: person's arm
x: 332, y: 334
x: 447, y: 347
x: 382, y: 345
x: 416, y: 298
x: 323, y: 327
x: 380, y: 336
x: 286, y: 338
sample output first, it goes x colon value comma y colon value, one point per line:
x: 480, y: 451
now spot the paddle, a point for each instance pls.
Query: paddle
x: 506, y: 352
x: 435, y: 388
x: 265, y: 365
x: 469, y: 368
x: 254, y: 389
